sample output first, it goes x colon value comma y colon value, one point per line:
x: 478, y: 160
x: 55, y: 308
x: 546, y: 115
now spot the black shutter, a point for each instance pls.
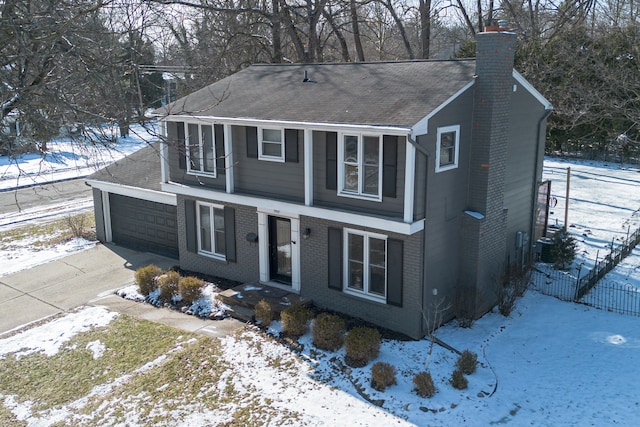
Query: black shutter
x: 181, y: 148
x: 291, y: 145
x: 332, y: 161
x: 389, y: 165
x: 219, y: 138
x: 191, y: 225
x: 335, y: 258
x: 230, y: 233
x: 394, y: 272
x: 252, y: 142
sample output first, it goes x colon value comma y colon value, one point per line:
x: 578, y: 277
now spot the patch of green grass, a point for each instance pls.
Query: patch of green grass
x: 51, y: 233
x: 73, y: 372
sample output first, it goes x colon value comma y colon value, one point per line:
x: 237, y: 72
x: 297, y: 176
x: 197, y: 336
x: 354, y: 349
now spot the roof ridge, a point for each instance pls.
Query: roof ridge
x: 402, y: 61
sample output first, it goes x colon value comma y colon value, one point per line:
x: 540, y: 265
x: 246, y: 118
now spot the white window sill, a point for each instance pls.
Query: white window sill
x: 213, y: 256
x: 271, y: 159
x: 360, y: 196
x: 200, y: 173
x: 363, y: 295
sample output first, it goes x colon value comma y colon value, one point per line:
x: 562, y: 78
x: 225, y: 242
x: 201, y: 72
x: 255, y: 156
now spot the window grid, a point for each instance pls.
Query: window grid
x: 271, y: 144
x: 201, y: 149
x: 360, y: 166
x: 448, y: 148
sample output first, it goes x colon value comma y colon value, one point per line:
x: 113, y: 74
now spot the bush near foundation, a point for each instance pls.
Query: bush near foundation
x: 328, y: 331
x: 424, y: 384
x: 146, y: 278
x: 467, y: 362
x: 362, y: 345
x: 295, y: 320
x: 263, y: 313
x: 168, y: 285
x: 382, y: 375
x: 190, y: 289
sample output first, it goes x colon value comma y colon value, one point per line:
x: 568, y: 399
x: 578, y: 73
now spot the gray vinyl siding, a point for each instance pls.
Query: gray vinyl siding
x: 246, y: 268
x: 180, y: 175
x: 390, y: 206
x: 98, y: 212
x: 276, y: 180
x: 315, y: 271
x: 521, y: 171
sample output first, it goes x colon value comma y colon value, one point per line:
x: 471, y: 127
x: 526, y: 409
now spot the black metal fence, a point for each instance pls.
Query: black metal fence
x: 620, y: 298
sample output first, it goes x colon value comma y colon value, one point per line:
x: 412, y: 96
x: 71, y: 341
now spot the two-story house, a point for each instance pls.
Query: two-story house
x: 374, y: 189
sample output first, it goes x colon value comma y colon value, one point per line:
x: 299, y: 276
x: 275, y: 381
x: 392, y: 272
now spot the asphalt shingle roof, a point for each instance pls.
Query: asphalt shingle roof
x: 377, y: 93
x: 139, y: 169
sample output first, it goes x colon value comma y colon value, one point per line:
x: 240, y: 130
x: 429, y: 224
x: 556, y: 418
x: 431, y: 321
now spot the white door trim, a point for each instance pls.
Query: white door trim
x: 263, y: 248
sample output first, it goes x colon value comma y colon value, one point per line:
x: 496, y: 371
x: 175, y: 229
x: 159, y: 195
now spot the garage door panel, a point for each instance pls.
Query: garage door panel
x: 144, y: 225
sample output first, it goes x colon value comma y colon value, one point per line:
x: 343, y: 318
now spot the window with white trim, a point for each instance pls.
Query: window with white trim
x: 365, y: 257
x: 211, y: 238
x: 447, y: 148
x: 201, y: 149
x: 360, y: 165
x: 271, y: 144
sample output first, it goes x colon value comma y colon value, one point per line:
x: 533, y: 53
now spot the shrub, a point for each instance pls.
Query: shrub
x: 563, y: 250
x: 458, y: 380
x: 146, y: 278
x: 424, y: 384
x: 190, y: 289
x: 168, y: 285
x: 328, y: 331
x: 264, y: 313
x: 382, y: 375
x: 295, y: 320
x: 467, y: 362
x: 362, y: 345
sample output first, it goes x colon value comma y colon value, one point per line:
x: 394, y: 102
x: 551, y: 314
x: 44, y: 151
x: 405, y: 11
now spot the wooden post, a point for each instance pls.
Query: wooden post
x: 566, y: 202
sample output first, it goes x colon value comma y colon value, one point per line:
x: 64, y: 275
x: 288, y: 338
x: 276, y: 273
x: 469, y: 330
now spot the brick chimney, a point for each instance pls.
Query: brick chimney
x: 483, y: 239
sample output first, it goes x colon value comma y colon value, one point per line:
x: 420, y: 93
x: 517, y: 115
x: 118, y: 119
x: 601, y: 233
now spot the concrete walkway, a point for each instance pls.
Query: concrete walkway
x: 90, y: 278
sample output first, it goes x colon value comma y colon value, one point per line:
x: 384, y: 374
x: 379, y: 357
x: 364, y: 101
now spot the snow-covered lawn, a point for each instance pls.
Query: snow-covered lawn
x: 549, y: 363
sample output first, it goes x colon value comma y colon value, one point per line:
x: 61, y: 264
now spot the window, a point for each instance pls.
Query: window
x: 360, y: 165
x: 366, y: 264
x: 271, y: 145
x: 201, y: 150
x: 211, y: 234
x: 447, y: 148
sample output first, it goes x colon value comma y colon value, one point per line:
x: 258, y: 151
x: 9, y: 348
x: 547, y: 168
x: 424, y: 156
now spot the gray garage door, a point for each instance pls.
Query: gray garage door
x: 144, y: 225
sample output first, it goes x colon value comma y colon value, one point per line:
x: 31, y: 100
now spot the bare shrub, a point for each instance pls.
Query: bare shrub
x: 424, y: 384
x: 464, y: 305
x: 513, y: 285
x: 190, y: 289
x: 295, y: 320
x: 458, y: 380
x: 264, y: 313
x: 328, y: 331
x: 383, y: 375
x: 168, y: 285
x: 362, y: 345
x: 146, y: 278
x: 467, y: 362
x: 77, y: 224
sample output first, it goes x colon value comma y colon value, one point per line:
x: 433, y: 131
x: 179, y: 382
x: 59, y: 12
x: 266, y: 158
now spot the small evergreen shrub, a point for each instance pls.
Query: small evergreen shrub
x: 146, y: 278
x: 168, y: 285
x: 458, y: 380
x: 424, y: 384
x: 263, y: 313
x: 328, y: 331
x: 382, y: 375
x: 295, y: 320
x: 467, y: 362
x: 563, y: 250
x: 362, y: 345
x: 190, y: 289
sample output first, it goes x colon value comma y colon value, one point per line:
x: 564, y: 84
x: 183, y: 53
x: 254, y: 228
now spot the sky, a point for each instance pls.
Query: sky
x: 549, y: 363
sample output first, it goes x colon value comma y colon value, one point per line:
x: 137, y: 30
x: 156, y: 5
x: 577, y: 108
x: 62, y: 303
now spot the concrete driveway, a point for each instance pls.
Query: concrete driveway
x: 90, y: 277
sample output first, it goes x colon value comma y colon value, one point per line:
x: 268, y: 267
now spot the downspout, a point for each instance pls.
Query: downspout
x: 423, y: 244
x: 536, y: 181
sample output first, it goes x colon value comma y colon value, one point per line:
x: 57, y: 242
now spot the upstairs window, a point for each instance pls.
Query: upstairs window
x: 271, y: 144
x: 201, y: 149
x: 360, y: 165
x: 447, y: 148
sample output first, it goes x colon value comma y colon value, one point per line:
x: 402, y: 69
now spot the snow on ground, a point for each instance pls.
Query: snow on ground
x: 549, y: 363
x: 67, y: 158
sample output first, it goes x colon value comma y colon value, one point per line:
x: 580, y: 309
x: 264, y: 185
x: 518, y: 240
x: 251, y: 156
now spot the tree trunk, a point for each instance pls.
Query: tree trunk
x: 356, y: 30
x: 275, y: 33
x: 425, y: 27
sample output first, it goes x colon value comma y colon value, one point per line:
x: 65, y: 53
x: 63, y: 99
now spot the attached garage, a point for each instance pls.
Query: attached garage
x: 131, y: 209
x: 143, y: 225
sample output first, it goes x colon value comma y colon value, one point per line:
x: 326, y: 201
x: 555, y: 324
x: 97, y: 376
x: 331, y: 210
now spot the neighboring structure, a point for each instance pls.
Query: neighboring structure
x: 374, y: 189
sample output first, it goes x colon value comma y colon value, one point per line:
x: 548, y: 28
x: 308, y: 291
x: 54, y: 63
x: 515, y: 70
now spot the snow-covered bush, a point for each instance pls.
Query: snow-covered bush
x: 362, y: 345
x: 382, y: 375
x: 146, y: 278
x: 424, y: 384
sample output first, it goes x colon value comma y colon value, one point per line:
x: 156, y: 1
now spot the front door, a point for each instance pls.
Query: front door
x: 280, y: 249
